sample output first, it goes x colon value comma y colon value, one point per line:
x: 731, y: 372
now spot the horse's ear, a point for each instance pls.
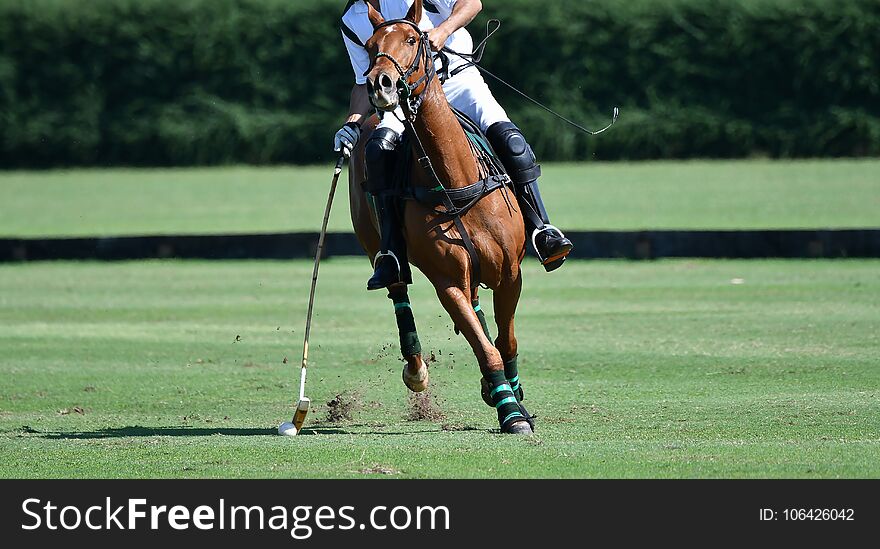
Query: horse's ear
x: 415, y: 12
x: 375, y: 17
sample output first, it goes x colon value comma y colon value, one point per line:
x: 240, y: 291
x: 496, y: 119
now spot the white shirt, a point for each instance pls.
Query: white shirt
x: 357, y: 29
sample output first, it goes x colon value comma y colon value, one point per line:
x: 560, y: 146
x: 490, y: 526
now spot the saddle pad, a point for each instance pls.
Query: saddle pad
x: 401, y: 178
x: 476, y: 135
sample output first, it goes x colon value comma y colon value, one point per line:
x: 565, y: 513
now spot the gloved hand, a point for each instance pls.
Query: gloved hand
x: 346, y: 138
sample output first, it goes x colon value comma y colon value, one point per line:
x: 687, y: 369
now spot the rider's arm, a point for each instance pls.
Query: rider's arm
x: 359, y: 106
x: 463, y: 12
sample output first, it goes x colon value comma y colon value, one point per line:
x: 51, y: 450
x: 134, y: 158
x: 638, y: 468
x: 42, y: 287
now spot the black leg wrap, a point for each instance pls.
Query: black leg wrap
x: 511, y: 372
x: 406, y: 324
x: 505, y: 402
x: 482, y: 318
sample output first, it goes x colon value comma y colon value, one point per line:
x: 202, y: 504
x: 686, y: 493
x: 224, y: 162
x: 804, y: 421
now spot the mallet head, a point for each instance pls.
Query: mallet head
x: 302, y: 409
x: 293, y: 427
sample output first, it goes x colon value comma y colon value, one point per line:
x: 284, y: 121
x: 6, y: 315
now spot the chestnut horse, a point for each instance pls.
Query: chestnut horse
x: 434, y: 243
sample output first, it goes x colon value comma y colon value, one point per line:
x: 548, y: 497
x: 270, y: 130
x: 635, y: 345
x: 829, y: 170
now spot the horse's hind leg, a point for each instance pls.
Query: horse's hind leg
x: 415, y: 373
x: 460, y: 309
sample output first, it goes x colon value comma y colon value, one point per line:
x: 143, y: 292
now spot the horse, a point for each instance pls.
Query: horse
x: 435, y: 241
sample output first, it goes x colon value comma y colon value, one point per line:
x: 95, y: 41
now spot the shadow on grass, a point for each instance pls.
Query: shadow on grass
x: 138, y: 431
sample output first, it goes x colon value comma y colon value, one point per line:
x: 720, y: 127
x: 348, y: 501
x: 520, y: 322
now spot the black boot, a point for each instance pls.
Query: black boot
x: 550, y: 244
x: 390, y: 265
x: 515, y: 153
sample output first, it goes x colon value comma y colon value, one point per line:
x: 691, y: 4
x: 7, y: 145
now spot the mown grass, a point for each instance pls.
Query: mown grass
x: 649, y: 369
x: 604, y: 196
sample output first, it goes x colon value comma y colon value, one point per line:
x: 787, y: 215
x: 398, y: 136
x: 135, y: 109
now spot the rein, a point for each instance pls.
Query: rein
x: 474, y: 59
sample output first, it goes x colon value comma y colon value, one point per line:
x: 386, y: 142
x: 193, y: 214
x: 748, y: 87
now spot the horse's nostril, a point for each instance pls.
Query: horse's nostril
x: 385, y: 82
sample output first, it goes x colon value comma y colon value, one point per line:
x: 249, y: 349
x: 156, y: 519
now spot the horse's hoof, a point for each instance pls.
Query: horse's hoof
x: 484, y: 392
x: 518, y: 428
x: 418, y: 382
x: 529, y: 417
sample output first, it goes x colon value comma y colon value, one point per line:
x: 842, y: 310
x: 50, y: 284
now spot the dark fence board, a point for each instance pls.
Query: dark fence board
x: 826, y: 243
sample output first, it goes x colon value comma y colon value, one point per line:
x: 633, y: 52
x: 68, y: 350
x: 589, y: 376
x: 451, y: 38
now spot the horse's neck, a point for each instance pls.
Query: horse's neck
x: 444, y: 141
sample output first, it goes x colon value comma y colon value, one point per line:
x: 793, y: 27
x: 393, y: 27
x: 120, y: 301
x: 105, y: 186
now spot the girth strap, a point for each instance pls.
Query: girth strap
x: 463, y: 198
x: 446, y: 201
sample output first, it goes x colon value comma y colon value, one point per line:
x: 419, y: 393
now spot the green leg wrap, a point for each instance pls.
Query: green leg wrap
x: 511, y: 372
x: 482, y: 317
x: 504, y: 399
x: 406, y: 324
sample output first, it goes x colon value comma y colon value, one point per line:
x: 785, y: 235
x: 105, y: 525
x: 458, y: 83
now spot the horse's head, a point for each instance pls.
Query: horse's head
x: 401, y: 65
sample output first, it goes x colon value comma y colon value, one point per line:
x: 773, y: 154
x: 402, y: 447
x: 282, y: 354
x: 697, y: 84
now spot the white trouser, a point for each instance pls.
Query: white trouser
x: 467, y: 92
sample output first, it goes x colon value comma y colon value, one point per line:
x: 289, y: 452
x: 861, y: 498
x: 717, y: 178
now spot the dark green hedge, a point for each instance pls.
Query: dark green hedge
x: 162, y: 82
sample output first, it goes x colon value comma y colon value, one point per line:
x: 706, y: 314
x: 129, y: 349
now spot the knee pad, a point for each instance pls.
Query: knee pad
x: 514, y: 152
x: 379, y: 157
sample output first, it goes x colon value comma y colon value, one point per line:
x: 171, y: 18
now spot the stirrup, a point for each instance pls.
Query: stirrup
x: 535, y: 234
x: 389, y: 253
x: 376, y: 259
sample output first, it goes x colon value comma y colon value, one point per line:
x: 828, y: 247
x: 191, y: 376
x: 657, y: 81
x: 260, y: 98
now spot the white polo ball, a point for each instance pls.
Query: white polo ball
x: 287, y: 429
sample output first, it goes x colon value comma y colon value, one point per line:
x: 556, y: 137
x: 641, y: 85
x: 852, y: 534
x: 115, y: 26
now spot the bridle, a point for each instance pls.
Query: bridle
x: 405, y: 89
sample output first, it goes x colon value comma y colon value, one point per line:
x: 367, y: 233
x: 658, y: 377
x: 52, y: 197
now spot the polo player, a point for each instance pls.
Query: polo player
x: 466, y: 91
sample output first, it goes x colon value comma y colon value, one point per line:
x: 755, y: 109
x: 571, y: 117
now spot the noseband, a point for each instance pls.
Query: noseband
x: 404, y: 87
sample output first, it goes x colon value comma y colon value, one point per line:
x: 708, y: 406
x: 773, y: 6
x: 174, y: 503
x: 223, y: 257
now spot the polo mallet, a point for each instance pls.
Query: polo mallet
x: 302, y: 405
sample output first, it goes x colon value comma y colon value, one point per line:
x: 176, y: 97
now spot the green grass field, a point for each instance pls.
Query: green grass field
x: 613, y: 196
x: 635, y: 369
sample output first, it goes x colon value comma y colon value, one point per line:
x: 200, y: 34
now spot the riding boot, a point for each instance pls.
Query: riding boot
x: 390, y: 265
x: 550, y: 244
x: 515, y: 153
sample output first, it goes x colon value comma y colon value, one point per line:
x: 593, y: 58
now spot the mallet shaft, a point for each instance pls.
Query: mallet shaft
x: 305, y: 358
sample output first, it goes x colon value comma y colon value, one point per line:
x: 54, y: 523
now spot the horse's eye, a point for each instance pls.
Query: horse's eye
x: 411, y: 41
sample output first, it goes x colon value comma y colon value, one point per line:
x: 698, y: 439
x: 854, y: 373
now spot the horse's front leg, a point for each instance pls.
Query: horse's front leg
x: 460, y: 309
x: 505, y: 299
x: 415, y: 373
